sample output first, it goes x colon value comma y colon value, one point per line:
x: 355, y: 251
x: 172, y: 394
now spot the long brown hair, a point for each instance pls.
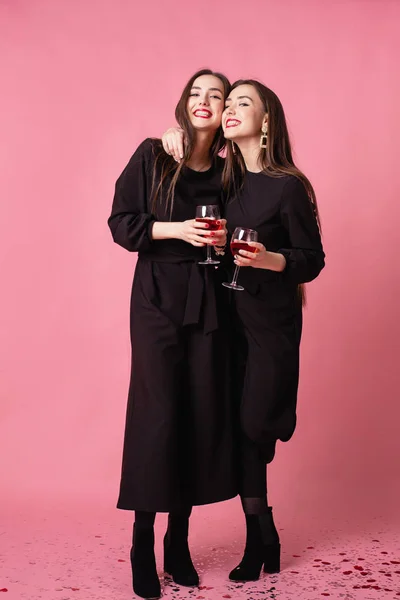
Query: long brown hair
x: 166, y: 164
x: 276, y: 159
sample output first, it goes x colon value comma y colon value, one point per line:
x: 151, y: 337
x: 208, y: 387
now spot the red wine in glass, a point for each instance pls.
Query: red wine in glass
x: 213, y: 224
x: 237, y: 245
x: 209, y: 214
x: 240, y: 241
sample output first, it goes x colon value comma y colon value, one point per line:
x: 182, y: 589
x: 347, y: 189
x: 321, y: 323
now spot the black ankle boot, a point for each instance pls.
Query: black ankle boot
x: 177, y: 559
x: 144, y: 571
x: 262, y: 548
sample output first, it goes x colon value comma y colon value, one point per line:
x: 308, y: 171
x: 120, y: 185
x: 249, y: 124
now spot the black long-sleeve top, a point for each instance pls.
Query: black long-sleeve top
x: 279, y: 209
x: 132, y: 214
x: 167, y: 269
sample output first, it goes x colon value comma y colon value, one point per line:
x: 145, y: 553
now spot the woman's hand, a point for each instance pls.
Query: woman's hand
x: 172, y: 141
x: 199, y: 234
x: 261, y: 258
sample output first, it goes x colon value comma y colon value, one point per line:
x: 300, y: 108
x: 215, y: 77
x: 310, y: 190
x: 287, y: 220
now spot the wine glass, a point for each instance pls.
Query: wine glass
x: 240, y: 241
x: 209, y: 214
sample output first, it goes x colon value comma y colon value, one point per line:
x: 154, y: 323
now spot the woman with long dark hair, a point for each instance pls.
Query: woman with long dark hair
x: 268, y: 194
x: 178, y: 449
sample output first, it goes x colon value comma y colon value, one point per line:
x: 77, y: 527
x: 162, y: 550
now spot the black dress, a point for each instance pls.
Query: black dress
x: 269, y: 312
x: 178, y: 446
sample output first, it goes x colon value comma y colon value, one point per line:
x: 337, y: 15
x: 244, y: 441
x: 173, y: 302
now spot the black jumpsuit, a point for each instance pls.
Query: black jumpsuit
x: 178, y: 446
x: 269, y: 315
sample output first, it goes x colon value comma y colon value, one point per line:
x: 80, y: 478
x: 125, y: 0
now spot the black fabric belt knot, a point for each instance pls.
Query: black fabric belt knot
x: 201, y: 300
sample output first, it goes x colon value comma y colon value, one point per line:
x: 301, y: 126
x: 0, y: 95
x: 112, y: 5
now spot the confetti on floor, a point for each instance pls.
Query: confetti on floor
x: 65, y: 556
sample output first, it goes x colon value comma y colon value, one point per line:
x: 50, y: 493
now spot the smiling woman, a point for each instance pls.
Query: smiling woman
x: 269, y: 194
x: 243, y: 113
x: 205, y: 102
x: 178, y: 447
x: 199, y: 114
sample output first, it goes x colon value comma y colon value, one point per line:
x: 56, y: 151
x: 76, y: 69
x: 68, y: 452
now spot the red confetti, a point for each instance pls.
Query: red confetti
x: 296, y: 556
x: 310, y: 547
x: 97, y: 536
x: 342, y: 553
x: 366, y: 587
x: 75, y: 589
x: 325, y: 594
x: 371, y: 580
x: 364, y: 573
x: 121, y: 560
x: 360, y: 558
x: 356, y: 587
x: 375, y: 587
x: 387, y: 590
x: 395, y: 562
x: 325, y: 562
x: 376, y: 541
x: 383, y: 552
x: 358, y: 568
x: 347, y: 572
x: 316, y: 566
x: 295, y: 572
x: 346, y: 560
x: 388, y: 574
x: 397, y: 572
x: 386, y: 563
x: 227, y: 596
x: 317, y: 560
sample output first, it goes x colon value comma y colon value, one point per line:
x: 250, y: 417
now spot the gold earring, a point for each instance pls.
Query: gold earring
x: 264, y: 137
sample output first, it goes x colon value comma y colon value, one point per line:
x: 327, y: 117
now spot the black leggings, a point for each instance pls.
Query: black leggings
x: 253, y: 470
x: 145, y: 520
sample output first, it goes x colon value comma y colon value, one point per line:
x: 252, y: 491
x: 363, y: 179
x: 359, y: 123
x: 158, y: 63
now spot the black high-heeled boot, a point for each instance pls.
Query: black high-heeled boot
x: 144, y: 571
x: 177, y: 560
x: 262, y: 548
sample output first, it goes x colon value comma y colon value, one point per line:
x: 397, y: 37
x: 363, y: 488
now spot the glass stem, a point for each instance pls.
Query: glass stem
x: 235, y: 275
x: 209, y: 257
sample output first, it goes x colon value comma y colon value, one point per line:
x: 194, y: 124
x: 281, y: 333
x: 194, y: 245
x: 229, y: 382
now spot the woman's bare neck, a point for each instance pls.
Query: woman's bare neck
x: 250, y: 150
x: 200, y: 159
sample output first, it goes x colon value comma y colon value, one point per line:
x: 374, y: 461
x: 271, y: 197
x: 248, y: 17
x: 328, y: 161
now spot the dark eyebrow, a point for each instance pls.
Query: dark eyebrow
x: 239, y: 98
x: 196, y: 87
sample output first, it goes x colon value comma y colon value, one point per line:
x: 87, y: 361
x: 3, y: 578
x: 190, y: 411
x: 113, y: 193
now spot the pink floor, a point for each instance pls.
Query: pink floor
x: 75, y: 553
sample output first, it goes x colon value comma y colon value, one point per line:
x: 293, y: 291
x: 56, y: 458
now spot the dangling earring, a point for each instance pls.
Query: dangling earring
x: 264, y: 137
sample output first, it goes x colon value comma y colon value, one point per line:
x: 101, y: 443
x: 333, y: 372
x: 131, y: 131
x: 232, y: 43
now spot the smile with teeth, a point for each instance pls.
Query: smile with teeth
x: 202, y: 113
x: 232, y: 123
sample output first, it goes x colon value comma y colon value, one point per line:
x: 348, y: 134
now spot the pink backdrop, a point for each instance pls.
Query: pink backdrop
x: 83, y: 82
